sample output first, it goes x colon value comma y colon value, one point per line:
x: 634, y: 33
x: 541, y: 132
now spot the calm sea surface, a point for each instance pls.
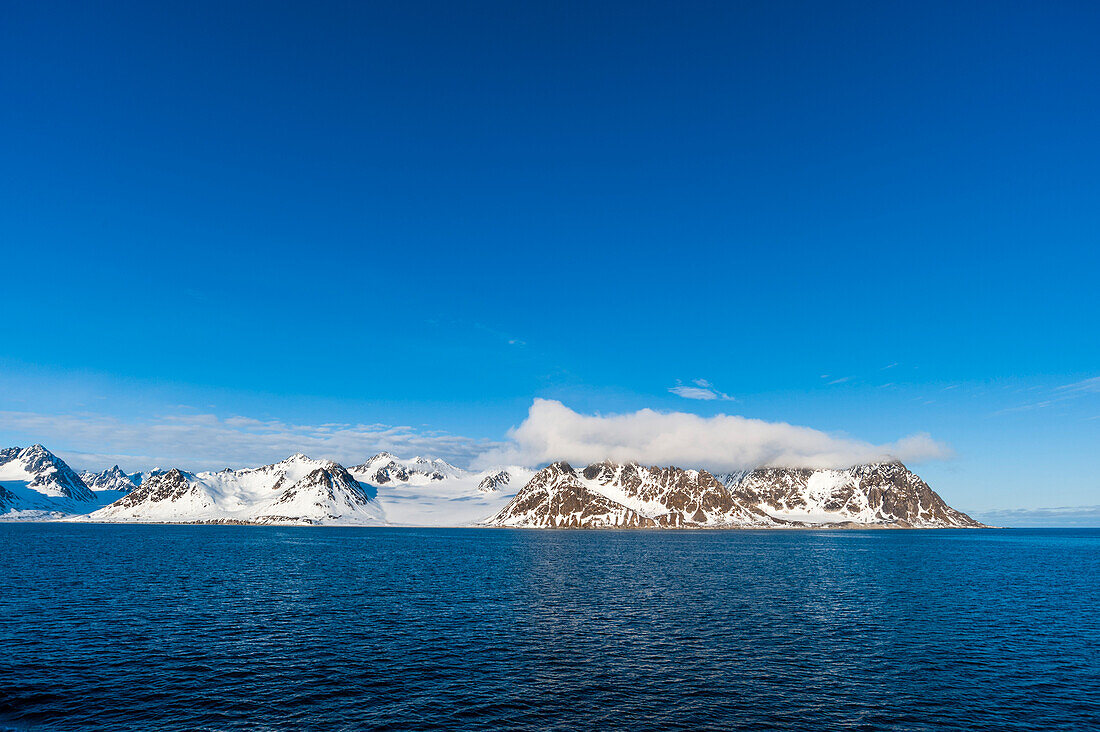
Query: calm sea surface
x: 222, y: 627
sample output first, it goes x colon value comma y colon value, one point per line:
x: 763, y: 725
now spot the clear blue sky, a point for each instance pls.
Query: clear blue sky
x: 869, y: 218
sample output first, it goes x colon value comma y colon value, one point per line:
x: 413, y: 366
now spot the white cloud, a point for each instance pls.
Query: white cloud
x: 207, y: 441
x: 1086, y: 386
x: 552, y: 431
x: 703, y: 390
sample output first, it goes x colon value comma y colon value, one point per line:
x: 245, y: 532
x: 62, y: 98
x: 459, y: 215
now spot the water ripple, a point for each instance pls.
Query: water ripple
x: 224, y: 627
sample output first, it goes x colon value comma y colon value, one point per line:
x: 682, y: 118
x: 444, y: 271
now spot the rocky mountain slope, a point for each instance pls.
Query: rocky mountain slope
x: 608, y: 495
x: 880, y: 493
x: 297, y: 490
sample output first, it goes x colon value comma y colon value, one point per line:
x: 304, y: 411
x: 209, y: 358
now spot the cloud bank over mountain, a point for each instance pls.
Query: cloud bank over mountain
x: 553, y: 431
x: 550, y: 432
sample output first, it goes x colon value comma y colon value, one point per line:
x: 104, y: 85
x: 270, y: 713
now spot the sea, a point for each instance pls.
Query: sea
x: 145, y: 627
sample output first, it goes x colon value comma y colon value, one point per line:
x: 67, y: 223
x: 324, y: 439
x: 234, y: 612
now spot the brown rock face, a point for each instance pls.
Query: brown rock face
x: 325, y: 486
x: 170, y: 486
x: 609, y: 495
x: 879, y: 493
x: 556, y: 498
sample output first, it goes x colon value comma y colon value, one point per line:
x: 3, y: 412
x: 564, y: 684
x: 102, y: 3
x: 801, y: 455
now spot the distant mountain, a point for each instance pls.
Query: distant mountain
x: 430, y: 492
x: 112, y: 479
x: 607, y: 495
x: 35, y: 483
x: 297, y: 490
x: 137, y: 478
x: 495, y: 481
x: 386, y: 468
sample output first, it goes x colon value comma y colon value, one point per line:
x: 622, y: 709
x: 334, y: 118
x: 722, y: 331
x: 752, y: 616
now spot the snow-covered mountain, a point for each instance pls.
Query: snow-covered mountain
x: 297, y: 490
x: 35, y: 483
x: 386, y: 468
x: 112, y: 479
x: 607, y: 494
x: 137, y: 478
x: 426, y: 492
x: 495, y: 481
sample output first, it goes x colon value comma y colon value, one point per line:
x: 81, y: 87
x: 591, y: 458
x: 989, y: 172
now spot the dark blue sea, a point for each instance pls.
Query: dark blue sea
x: 230, y: 627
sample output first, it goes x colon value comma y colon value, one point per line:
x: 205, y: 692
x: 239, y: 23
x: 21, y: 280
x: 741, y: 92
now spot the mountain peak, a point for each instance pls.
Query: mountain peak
x: 44, y: 472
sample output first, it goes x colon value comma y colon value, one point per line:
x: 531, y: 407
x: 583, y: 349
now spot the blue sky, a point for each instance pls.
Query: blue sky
x: 875, y: 220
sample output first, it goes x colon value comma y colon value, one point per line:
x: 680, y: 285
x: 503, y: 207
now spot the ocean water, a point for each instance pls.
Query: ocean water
x: 230, y: 627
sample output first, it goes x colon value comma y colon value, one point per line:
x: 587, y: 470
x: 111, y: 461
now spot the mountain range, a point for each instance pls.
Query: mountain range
x: 617, y: 495
x: 385, y: 490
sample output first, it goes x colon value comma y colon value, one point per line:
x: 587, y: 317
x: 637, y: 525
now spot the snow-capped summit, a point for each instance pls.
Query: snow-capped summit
x: 494, y: 481
x: 43, y: 472
x: 112, y: 479
x: 386, y: 468
x: 36, y: 482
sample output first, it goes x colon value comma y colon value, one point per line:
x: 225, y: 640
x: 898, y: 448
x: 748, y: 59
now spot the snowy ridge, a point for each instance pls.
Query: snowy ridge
x: 112, y: 479
x: 609, y: 495
x: 425, y: 492
x: 386, y: 468
x: 297, y: 490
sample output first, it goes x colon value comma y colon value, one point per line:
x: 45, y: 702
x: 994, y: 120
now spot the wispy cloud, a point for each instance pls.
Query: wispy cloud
x: 1060, y: 516
x: 1085, y: 386
x: 1058, y: 395
x: 208, y: 441
x: 699, y: 389
x: 552, y: 431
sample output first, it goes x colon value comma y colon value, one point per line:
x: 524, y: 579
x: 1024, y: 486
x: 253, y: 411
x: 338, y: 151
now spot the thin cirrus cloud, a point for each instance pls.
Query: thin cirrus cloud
x: 553, y: 431
x: 1085, y: 386
x: 699, y: 389
x: 207, y: 441
x: 1058, y: 395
